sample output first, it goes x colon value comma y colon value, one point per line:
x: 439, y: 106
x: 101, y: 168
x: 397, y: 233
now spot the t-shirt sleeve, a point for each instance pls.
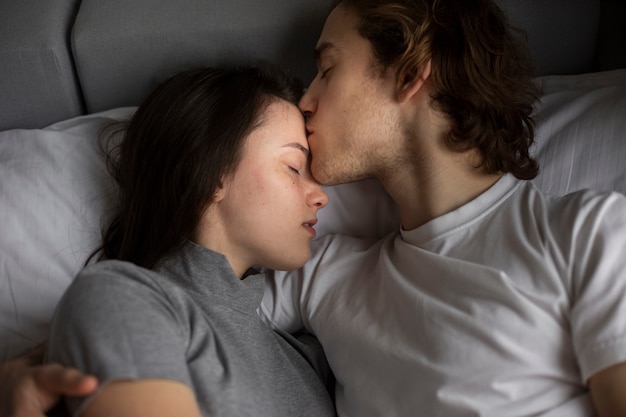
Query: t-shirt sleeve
x: 598, y: 313
x: 118, y: 323
x: 293, y: 299
x: 280, y: 307
x: 289, y: 294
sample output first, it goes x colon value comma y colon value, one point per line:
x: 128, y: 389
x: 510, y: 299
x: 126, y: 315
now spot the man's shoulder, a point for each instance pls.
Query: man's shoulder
x: 579, y: 216
x: 581, y: 202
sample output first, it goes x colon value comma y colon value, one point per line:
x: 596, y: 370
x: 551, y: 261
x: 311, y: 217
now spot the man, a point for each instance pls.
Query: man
x: 491, y: 298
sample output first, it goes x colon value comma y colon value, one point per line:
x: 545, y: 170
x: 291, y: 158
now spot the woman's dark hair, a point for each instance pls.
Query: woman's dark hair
x: 177, y: 148
x: 481, y: 76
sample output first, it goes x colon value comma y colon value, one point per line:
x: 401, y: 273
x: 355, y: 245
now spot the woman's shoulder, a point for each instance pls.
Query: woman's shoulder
x: 115, y: 278
x: 122, y: 290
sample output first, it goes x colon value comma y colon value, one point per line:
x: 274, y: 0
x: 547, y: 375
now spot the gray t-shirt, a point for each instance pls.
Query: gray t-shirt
x: 190, y: 320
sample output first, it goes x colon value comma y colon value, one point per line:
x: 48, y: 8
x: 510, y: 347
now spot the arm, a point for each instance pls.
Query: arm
x: 598, y: 313
x: 29, y: 389
x: 118, y: 322
x: 148, y: 397
x: 608, y: 391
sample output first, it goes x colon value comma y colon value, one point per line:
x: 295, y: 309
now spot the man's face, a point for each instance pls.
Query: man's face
x: 351, y: 110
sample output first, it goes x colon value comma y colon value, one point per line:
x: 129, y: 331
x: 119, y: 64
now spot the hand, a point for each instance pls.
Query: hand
x: 607, y: 389
x: 30, y: 391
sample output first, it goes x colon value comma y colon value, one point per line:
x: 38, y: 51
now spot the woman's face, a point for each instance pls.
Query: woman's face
x: 266, y: 209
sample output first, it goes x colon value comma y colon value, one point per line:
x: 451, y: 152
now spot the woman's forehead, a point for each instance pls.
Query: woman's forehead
x: 282, y: 124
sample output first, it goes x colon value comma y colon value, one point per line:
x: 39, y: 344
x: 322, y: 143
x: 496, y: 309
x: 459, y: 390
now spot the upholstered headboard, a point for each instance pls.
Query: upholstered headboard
x: 63, y: 58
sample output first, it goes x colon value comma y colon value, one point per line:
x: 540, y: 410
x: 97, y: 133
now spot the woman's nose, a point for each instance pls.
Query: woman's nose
x: 320, y: 198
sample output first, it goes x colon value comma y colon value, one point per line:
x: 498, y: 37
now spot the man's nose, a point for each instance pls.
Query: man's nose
x: 307, y: 104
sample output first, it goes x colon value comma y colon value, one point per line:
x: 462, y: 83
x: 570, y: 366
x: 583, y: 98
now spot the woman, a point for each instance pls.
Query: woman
x: 214, y: 180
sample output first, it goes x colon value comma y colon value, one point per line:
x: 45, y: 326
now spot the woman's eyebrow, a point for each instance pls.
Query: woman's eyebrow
x: 298, y: 146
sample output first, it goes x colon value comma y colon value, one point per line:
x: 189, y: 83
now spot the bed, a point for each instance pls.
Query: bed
x: 68, y: 67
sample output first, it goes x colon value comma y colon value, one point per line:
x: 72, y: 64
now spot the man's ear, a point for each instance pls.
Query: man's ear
x: 413, y: 83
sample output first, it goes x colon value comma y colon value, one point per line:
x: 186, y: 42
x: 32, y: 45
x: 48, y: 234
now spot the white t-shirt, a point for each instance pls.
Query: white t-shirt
x: 503, y: 307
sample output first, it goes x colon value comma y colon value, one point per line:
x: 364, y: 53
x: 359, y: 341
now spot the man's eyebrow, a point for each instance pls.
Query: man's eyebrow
x: 298, y: 146
x: 321, y: 48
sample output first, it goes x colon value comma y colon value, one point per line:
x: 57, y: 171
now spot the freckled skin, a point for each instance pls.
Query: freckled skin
x: 261, y: 214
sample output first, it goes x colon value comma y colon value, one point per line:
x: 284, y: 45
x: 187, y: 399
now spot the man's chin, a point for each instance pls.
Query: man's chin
x: 323, y: 176
x: 327, y: 176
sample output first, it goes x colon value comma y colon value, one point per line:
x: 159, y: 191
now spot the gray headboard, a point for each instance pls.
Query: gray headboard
x: 64, y: 58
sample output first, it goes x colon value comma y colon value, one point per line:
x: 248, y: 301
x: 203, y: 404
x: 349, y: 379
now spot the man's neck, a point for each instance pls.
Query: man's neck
x: 424, y: 192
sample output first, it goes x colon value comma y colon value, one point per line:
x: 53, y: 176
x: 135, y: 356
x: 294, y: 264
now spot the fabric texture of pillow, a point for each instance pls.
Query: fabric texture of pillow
x: 55, y: 192
x: 581, y: 132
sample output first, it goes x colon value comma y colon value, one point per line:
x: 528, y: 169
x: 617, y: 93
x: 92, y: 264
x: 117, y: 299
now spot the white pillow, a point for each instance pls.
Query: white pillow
x: 55, y: 192
x: 362, y: 209
x: 581, y: 132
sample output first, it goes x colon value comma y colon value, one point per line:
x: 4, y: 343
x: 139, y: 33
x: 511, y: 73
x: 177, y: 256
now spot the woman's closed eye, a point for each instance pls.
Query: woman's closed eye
x: 297, y: 171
